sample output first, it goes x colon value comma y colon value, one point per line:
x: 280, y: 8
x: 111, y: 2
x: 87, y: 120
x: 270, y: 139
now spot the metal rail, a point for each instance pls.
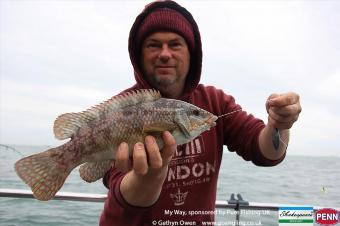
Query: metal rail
x: 68, y: 196
x: 232, y: 203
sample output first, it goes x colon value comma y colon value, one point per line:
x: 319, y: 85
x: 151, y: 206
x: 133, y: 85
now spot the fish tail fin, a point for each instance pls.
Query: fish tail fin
x: 44, y: 172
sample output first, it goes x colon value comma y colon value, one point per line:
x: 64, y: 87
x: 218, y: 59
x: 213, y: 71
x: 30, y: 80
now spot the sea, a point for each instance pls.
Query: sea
x: 298, y: 180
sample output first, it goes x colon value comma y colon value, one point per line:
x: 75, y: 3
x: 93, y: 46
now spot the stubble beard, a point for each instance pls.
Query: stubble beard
x: 168, y: 86
x: 164, y: 80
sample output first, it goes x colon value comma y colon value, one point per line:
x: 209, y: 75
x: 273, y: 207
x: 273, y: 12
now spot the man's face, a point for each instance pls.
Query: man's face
x: 166, y: 62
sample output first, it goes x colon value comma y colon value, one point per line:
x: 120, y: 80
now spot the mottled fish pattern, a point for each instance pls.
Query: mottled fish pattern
x: 96, y: 133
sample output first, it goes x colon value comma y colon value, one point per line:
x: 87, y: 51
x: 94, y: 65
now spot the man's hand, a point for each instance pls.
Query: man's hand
x: 283, y: 110
x: 142, y: 185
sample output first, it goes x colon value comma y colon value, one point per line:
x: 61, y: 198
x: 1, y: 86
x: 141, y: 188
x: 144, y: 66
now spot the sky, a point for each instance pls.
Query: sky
x: 66, y: 56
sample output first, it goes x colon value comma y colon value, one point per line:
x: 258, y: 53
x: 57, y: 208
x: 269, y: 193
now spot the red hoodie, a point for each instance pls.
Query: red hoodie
x: 189, y: 191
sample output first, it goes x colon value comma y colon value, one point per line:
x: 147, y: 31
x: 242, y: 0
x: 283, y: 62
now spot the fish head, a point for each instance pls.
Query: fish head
x: 200, y: 120
x: 192, y: 121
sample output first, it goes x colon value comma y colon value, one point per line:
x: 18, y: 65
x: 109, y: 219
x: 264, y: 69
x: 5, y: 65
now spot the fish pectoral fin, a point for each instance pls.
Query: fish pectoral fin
x: 93, y: 171
x: 156, y: 128
x: 184, y: 129
x: 183, y: 123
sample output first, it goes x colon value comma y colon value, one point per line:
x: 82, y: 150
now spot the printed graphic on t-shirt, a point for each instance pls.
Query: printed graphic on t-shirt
x: 190, y: 150
x: 179, y: 197
x: 189, y: 167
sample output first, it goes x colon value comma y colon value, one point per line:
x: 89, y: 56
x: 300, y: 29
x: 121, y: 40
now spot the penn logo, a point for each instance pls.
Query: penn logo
x: 327, y: 216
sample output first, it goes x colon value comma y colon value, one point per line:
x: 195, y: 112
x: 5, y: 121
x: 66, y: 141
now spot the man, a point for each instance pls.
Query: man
x: 165, y: 51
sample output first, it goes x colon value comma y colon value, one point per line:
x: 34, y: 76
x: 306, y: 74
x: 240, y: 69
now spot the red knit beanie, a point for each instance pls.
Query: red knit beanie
x: 165, y: 19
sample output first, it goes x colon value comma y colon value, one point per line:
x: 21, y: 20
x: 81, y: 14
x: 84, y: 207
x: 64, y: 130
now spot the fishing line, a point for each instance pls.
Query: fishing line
x: 280, y: 139
x: 7, y: 147
x: 276, y: 135
x: 286, y: 145
x: 229, y: 113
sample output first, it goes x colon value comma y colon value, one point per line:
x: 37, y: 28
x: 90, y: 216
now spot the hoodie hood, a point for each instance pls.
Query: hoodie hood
x: 194, y: 74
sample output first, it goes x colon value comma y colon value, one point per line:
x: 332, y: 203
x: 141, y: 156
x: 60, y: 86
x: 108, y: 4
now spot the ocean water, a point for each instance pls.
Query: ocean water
x: 299, y: 180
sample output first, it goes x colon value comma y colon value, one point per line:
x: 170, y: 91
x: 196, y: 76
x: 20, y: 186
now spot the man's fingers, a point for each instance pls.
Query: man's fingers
x: 140, y: 163
x: 282, y: 100
x: 283, y: 110
x: 122, y: 162
x: 169, y: 147
x: 286, y: 111
x: 272, y: 96
x: 279, y: 118
x: 155, y: 158
x: 283, y: 118
x: 148, y: 156
x: 280, y: 125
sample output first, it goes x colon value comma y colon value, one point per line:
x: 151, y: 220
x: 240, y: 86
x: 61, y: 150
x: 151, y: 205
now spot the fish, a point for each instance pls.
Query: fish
x: 95, y: 134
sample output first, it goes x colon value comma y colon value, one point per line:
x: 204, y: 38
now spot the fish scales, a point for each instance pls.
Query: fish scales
x: 96, y: 133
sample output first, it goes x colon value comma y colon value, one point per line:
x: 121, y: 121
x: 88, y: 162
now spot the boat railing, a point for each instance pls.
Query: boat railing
x: 232, y: 203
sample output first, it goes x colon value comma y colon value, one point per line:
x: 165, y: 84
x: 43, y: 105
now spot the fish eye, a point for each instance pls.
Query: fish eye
x: 196, y: 112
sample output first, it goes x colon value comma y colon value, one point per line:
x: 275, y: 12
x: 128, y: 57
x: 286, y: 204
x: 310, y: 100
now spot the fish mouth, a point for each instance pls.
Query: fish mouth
x: 211, y: 120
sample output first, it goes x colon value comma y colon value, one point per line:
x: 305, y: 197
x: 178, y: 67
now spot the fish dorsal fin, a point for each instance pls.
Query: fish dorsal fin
x: 66, y: 125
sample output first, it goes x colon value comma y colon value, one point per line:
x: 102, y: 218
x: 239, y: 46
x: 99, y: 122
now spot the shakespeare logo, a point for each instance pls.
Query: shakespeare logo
x: 296, y: 216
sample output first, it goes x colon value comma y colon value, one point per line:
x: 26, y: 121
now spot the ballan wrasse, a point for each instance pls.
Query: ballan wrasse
x: 96, y: 134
